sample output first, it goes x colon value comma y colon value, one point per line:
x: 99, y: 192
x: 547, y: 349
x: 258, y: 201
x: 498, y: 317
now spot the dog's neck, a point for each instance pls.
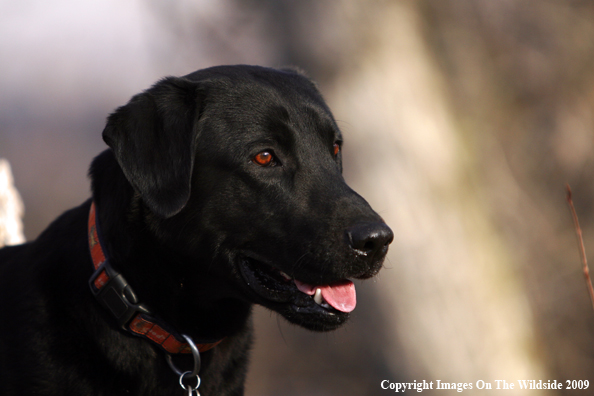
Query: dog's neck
x: 164, y: 279
x: 113, y: 291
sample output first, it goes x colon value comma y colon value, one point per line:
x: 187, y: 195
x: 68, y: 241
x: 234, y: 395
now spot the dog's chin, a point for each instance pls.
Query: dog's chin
x: 277, y: 291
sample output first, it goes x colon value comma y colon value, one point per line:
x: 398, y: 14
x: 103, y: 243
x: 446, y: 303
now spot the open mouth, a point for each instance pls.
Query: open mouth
x: 322, y: 306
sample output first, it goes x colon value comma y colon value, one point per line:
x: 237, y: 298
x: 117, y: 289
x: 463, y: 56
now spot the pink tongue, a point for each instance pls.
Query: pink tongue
x: 341, y: 296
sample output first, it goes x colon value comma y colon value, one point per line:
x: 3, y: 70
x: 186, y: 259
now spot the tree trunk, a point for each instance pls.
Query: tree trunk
x: 11, y: 208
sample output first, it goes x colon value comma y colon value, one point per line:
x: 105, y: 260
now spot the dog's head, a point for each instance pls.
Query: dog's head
x: 242, y: 165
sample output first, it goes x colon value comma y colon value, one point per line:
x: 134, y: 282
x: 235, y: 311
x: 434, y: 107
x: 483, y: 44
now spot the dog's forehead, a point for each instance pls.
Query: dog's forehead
x: 283, y: 107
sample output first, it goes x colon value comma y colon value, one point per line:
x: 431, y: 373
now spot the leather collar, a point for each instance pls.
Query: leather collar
x: 117, y: 296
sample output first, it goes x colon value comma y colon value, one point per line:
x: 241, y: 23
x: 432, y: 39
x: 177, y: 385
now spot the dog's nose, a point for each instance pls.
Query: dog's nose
x: 370, y: 238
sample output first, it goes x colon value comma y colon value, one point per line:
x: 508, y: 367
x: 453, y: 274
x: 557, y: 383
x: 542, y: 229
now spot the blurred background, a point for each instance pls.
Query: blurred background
x: 463, y: 121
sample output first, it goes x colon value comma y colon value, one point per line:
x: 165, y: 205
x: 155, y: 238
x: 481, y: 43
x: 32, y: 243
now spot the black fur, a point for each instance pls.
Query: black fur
x: 199, y: 230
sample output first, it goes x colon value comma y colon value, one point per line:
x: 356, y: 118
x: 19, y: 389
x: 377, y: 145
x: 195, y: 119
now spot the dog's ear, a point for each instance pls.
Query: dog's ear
x: 153, y: 138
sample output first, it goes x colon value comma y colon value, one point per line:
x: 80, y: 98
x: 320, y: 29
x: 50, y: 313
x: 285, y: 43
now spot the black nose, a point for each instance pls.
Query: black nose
x: 370, y: 239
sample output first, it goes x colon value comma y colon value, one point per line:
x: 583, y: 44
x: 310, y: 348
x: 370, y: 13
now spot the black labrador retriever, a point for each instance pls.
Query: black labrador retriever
x: 220, y: 190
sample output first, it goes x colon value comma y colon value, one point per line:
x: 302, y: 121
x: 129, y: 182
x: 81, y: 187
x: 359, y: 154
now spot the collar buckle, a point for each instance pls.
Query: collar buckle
x: 112, y: 290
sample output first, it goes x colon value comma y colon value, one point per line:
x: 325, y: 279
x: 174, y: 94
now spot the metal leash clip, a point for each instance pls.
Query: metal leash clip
x: 186, y: 377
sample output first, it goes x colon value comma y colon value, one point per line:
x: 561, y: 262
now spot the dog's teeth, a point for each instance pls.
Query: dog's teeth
x: 284, y: 275
x: 318, y: 297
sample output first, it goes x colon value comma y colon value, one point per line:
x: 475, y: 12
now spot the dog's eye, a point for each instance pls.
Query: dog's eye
x: 265, y: 158
x: 336, y: 149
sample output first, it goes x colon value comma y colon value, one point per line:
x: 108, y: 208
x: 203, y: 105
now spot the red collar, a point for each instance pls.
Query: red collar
x: 116, y: 295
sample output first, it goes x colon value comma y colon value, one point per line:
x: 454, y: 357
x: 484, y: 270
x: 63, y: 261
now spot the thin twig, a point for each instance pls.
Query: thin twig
x: 578, y: 232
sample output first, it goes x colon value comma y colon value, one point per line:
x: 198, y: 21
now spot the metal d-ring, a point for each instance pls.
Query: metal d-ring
x: 195, y: 354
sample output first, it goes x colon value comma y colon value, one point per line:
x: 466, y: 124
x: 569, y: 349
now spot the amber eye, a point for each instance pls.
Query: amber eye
x: 336, y: 149
x: 265, y: 158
